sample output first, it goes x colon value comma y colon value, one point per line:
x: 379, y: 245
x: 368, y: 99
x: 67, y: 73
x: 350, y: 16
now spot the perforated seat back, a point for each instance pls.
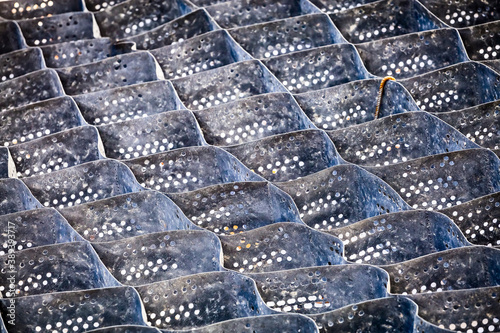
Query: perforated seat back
x: 399, y: 236
x: 18, y: 63
x: 341, y: 195
x: 237, y: 207
x: 280, y: 246
x: 16, y: 197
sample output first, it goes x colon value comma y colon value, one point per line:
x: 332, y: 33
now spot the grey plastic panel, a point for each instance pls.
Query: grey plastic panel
x: 482, y: 42
x: 30, y: 88
x: 288, y: 35
x: 444, y: 180
x: 288, y: 156
x: 478, y: 123
x: 59, y: 28
x: 335, y: 6
x: 413, y: 54
x: 16, y: 197
x: 131, y: 17
x: 118, y: 71
x: 252, y: 118
x: 57, y: 311
x: 37, y: 227
x: 280, y: 246
x: 130, y: 102
x: 237, y: 207
x: 190, y: 25
x: 18, y: 63
x: 57, y: 151
x: 83, y: 183
x: 226, y: 84
x: 208, y: 298
x: 36, y: 120
x: 354, y: 103
x: 188, y: 169
x: 125, y: 216
x: 341, y: 195
x: 455, y: 87
x: 23, y: 9
x: 237, y: 13
x: 53, y: 268
x: 318, y: 68
x: 383, y: 19
x: 161, y: 256
x: 399, y: 236
x: 475, y: 309
x: 198, y: 54
x: 398, y: 138
x: 464, y: 13
x: 462, y: 268
x: 320, y: 289
x: 127, y: 329
x: 478, y: 219
x: 81, y: 52
x: 150, y: 135
x: 12, y: 39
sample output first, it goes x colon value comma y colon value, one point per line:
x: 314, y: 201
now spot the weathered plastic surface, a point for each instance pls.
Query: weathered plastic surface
x: 59, y: 28
x: 7, y: 166
x: 188, y: 26
x: 188, y: 169
x: 33, y: 228
x: 335, y: 6
x: 94, y: 309
x: 124, y: 216
x: 288, y: 35
x: 413, y: 54
x: 161, y: 256
x: 354, y: 103
x: 81, y: 52
x: 57, y: 151
x: 318, y: 68
x: 320, y: 289
x: 16, y: 197
x: 341, y: 195
x: 150, y: 135
x: 83, y: 183
x: 399, y: 236
x: 463, y: 268
x: 118, y: 71
x: 251, y: 119
x: 482, y: 41
x: 237, y: 13
x: 288, y: 156
x: 37, y: 120
x: 100, y: 5
x: 475, y: 309
x: 30, y: 88
x: 61, y: 267
x: 287, y: 323
x: 126, y: 103
x: 127, y: 329
x: 226, y: 84
x: 383, y: 19
x: 455, y: 87
x: 444, y: 180
x: 464, y: 13
x: 478, y: 219
x: 198, y: 54
x: 131, y: 17
x: 493, y: 64
x: 11, y: 37
x: 392, y: 314
x: 18, y: 63
x: 478, y: 123
x: 398, y: 138
x: 23, y: 9
x: 280, y: 246
x: 208, y: 298
x: 237, y: 207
